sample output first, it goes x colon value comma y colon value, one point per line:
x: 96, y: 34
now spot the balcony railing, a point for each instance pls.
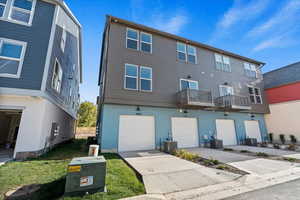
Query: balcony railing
x: 190, y: 97
x: 233, y: 102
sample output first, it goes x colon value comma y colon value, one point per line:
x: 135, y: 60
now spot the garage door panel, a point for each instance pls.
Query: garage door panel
x: 226, y: 131
x: 136, y: 133
x: 185, y: 132
x: 253, y: 130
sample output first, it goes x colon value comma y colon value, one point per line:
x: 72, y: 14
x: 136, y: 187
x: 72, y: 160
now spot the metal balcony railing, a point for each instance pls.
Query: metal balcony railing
x: 190, y: 97
x: 233, y: 102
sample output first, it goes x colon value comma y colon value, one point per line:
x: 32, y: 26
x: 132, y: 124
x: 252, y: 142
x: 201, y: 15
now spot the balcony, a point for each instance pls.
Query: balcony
x: 233, y: 102
x: 194, y: 98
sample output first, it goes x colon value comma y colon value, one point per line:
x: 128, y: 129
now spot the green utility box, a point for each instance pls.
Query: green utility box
x: 86, y: 175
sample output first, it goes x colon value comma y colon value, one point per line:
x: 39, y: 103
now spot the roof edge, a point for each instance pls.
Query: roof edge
x: 278, y: 69
x: 113, y: 19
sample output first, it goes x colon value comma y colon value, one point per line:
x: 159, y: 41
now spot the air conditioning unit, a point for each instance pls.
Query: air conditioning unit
x: 86, y: 175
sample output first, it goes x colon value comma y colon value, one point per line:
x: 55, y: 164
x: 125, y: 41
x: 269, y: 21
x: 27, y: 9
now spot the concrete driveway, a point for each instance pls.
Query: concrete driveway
x: 222, y: 156
x: 163, y: 173
x: 270, y: 151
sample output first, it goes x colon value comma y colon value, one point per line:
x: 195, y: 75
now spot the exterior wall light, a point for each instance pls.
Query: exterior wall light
x: 189, y: 76
x: 138, y: 108
x: 226, y: 114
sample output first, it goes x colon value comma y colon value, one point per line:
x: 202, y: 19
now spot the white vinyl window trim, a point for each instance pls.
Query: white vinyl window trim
x: 228, y: 88
x: 128, y: 38
x: 254, y: 95
x: 185, y: 53
x: 136, y: 77
x: 63, y: 39
x: 250, y: 68
x: 224, y: 61
x: 192, y: 54
x: 150, y: 43
x: 57, y: 78
x: 149, y: 79
x: 20, y: 60
x: 189, y: 81
x: 9, y: 9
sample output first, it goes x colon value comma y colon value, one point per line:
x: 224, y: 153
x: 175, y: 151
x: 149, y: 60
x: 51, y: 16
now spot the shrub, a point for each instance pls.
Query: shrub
x: 271, y: 137
x: 227, y: 149
x: 261, y: 154
x: 282, y: 138
x: 293, y: 139
x: 290, y: 159
x: 211, y: 162
x: 186, y: 155
x: 222, y: 167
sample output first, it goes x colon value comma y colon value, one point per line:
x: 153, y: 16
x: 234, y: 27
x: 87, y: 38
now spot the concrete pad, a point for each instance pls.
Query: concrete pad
x: 270, y: 151
x: 262, y: 166
x: 296, y: 156
x: 163, y: 173
x: 222, y: 156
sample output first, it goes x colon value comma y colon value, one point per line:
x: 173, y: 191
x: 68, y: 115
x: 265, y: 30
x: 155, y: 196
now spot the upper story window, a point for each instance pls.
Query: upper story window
x: 135, y: 74
x: 146, y: 79
x: 11, y: 57
x: 186, y: 53
x: 222, y: 63
x: 57, y: 77
x: 250, y: 70
x: 146, y: 42
x: 255, y: 95
x: 17, y: 11
x: 138, y: 40
x: 226, y: 90
x: 63, y: 39
x: 188, y: 84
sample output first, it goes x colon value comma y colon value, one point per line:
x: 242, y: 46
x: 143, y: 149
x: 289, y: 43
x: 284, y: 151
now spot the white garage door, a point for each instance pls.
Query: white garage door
x: 136, y: 133
x: 185, y: 132
x: 226, y: 131
x: 253, y: 130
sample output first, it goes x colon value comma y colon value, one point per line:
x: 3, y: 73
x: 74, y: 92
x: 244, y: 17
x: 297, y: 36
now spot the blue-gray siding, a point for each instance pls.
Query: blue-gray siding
x: 282, y: 76
x: 37, y: 38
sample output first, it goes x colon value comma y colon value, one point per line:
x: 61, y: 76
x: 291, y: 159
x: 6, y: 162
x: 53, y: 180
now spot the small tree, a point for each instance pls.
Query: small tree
x: 293, y: 139
x: 271, y: 137
x: 87, y: 114
x: 282, y: 138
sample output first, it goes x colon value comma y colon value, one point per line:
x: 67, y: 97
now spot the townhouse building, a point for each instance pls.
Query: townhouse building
x: 156, y: 86
x: 40, y: 73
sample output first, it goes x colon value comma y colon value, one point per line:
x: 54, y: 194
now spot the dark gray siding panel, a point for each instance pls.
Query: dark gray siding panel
x: 37, y: 37
x: 70, y: 79
x: 167, y: 72
x: 282, y: 76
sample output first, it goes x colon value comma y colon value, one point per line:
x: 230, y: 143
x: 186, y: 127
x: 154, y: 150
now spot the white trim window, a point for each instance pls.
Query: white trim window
x: 188, y: 84
x: 226, y: 90
x: 12, y: 54
x: 2, y: 7
x: 63, y: 39
x: 19, y: 11
x: 132, y: 39
x: 146, y: 42
x: 57, y: 77
x: 192, y: 54
x: 255, y: 95
x: 181, y: 51
x: 250, y: 70
x: 131, y: 77
x: 145, y: 79
x: 222, y: 63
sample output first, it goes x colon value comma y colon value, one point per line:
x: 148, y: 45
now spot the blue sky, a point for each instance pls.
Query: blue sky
x: 266, y: 30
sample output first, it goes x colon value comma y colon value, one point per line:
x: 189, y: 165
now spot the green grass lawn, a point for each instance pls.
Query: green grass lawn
x: 50, y: 171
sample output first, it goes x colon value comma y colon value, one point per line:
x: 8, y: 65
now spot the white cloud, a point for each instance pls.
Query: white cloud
x: 282, y: 20
x: 242, y: 12
x: 172, y: 24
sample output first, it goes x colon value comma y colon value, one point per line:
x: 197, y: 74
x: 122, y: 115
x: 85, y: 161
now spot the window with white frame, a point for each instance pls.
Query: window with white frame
x: 188, y: 84
x: 146, y: 42
x: 181, y: 51
x: 145, y: 79
x: 225, y: 90
x: 186, y: 53
x: 11, y: 57
x: 57, y: 77
x: 250, y: 70
x: 222, y: 63
x: 192, y: 57
x: 63, y: 39
x: 131, y: 77
x: 255, y: 95
x: 2, y: 7
x: 132, y: 39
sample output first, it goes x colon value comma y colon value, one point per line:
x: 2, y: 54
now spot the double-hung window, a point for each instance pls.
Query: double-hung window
x: 146, y: 79
x: 132, y: 39
x: 255, y: 95
x: 222, y: 63
x: 188, y: 84
x: 186, y: 53
x: 2, y: 7
x: 146, y: 42
x: 225, y: 90
x: 250, y: 70
x: 57, y: 77
x: 192, y: 58
x: 11, y: 57
x: 181, y: 51
x: 131, y: 77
